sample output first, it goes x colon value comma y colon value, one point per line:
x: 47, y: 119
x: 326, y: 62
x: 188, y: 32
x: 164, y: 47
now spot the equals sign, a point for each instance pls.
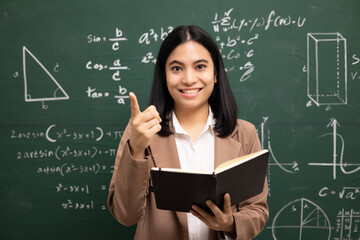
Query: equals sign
x: 103, y: 187
x: 103, y: 207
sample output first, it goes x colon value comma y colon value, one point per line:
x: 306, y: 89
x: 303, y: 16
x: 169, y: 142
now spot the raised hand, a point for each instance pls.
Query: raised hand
x: 144, y: 125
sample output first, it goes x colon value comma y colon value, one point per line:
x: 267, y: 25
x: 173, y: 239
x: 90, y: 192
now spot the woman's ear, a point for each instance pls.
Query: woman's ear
x: 215, y: 78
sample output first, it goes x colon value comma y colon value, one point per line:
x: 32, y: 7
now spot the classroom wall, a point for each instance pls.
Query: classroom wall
x: 67, y: 67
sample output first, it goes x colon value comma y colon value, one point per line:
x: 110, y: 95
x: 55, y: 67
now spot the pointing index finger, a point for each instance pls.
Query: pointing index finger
x: 135, y: 109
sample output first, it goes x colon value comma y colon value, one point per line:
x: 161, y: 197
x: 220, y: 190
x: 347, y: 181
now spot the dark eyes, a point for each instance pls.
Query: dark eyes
x: 176, y: 68
x: 199, y: 67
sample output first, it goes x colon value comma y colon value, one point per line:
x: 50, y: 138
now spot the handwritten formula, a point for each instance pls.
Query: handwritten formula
x: 237, y: 37
x: 80, y: 152
x: 116, y: 67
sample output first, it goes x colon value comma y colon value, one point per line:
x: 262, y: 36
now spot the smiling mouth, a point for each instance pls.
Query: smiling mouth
x: 190, y: 91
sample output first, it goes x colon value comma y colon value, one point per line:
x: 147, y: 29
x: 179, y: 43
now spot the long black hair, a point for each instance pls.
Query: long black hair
x: 221, y: 101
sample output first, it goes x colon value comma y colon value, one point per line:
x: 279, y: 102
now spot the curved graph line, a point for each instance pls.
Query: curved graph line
x: 341, y: 164
x: 277, y: 162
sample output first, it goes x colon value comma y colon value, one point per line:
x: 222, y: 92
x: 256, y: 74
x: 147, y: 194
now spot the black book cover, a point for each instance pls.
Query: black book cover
x: 178, y: 190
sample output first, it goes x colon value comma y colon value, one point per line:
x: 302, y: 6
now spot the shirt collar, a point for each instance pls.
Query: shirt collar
x: 209, y: 125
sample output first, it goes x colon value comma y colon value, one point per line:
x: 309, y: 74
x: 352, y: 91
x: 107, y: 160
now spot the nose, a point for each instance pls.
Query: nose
x: 189, y: 77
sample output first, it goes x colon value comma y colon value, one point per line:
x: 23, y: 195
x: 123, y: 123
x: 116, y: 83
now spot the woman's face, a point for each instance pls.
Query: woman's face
x: 190, y: 76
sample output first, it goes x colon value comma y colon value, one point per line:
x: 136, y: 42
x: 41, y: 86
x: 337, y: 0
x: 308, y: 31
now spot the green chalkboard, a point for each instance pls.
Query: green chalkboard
x: 66, y: 68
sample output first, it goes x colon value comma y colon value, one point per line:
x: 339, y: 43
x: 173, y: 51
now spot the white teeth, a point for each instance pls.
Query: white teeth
x: 190, y: 91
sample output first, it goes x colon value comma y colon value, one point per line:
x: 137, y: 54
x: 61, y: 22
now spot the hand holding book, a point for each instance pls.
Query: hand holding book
x: 220, y: 220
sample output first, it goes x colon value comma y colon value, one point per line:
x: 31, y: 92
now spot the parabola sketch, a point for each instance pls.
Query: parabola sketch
x: 39, y: 83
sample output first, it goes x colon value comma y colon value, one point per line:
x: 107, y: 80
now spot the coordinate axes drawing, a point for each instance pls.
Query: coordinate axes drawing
x: 337, y: 155
x: 265, y: 143
x: 326, y: 69
x: 39, y: 83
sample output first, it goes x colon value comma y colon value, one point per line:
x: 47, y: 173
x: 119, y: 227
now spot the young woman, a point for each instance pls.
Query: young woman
x: 191, y: 123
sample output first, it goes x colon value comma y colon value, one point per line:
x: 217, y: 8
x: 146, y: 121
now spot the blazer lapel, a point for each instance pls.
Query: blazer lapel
x: 165, y: 155
x: 164, y: 152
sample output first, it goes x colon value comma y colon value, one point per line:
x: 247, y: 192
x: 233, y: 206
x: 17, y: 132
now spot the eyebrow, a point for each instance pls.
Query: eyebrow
x: 180, y: 63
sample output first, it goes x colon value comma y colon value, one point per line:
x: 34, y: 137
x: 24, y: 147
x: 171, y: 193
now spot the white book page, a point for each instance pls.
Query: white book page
x: 237, y: 161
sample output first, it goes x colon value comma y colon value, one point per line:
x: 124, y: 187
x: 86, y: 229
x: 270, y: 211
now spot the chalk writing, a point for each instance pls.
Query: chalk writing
x: 69, y: 204
x: 351, y: 193
x: 94, y: 94
x: 56, y: 91
x: 235, y: 41
x: 71, y: 168
x: 92, y: 38
x: 53, y: 133
x: 77, y: 188
x: 85, y: 154
x: 73, y: 188
x: 236, y: 46
x: 152, y: 35
x: 266, y: 143
x: 149, y: 57
x: 306, y: 216
x: 35, y: 154
x: 347, y: 225
x: 356, y: 59
x: 115, y: 67
x: 65, y: 152
x: 26, y: 135
x: 338, y: 154
x: 355, y: 75
x: 77, y: 153
x: 226, y: 22
x: 230, y: 50
x: 334, y: 77
x: 122, y: 95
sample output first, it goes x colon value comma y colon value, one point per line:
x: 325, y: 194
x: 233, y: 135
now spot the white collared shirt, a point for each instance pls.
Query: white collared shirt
x: 199, y: 156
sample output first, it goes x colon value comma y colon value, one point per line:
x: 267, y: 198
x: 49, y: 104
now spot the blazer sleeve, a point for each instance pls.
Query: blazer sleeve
x: 251, y: 215
x: 129, y: 184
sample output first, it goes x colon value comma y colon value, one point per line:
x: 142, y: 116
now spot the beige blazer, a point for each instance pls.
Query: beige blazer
x: 131, y: 202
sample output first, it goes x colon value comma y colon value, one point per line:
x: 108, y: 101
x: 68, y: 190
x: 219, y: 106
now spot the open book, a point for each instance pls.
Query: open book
x: 243, y: 178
